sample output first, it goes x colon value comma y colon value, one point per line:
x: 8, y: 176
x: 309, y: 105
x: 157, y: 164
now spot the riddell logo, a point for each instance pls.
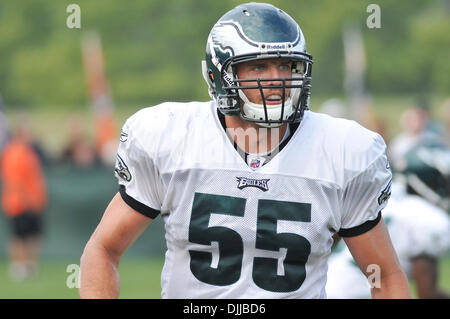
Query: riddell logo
x: 227, y: 79
x: 244, y: 182
x: 275, y: 46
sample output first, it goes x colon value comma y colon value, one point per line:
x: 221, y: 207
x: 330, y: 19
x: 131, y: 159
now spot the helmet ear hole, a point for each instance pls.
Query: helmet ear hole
x: 205, y: 73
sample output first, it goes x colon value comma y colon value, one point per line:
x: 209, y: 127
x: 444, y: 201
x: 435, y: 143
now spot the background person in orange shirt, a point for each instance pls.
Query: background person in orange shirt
x: 24, y: 198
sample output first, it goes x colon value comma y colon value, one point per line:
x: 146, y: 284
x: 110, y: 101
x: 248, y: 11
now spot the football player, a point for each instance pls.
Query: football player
x: 251, y: 186
x: 418, y: 225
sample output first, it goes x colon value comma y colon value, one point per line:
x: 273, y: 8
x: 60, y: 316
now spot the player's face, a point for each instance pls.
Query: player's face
x: 265, y: 69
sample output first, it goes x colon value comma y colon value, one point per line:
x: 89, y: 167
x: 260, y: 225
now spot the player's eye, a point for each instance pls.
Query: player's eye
x: 259, y: 67
x: 285, y: 67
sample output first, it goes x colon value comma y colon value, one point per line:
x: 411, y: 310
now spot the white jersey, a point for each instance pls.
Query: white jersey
x: 416, y: 228
x: 233, y: 231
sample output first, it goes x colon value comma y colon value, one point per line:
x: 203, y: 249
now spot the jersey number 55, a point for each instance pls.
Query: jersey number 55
x: 265, y: 272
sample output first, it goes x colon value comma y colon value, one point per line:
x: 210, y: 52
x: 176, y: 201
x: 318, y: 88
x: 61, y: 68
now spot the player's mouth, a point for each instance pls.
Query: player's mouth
x: 273, y: 99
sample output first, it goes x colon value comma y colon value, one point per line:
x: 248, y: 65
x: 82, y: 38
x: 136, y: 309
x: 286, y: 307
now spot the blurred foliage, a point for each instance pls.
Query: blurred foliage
x: 153, y: 48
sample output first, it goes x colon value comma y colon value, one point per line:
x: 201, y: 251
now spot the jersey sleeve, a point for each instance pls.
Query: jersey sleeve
x: 136, y: 171
x: 366, y: 193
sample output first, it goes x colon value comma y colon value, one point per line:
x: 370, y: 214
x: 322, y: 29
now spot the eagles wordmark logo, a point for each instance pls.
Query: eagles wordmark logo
x: 244, y: 182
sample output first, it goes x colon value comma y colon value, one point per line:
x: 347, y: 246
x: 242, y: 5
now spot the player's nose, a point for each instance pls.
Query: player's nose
x: 273, y: 73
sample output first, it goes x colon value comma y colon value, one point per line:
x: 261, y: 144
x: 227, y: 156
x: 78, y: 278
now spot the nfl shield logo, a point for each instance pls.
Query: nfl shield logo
x: 255, y: 163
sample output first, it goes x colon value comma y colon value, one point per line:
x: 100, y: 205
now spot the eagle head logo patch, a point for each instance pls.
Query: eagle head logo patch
x: 122, y: 169
x: 385, y: 193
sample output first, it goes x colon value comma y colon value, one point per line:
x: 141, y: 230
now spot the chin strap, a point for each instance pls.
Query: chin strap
x: 271, y: 113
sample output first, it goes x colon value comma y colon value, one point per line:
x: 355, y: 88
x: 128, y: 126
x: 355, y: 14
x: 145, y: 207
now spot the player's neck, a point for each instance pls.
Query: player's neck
x: 253, y: 138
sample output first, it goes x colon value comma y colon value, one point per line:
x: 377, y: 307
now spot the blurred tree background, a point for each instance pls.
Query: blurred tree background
x: 153, y: 48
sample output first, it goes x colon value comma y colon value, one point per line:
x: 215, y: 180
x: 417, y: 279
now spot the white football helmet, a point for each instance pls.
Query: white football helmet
x: 257, y: 31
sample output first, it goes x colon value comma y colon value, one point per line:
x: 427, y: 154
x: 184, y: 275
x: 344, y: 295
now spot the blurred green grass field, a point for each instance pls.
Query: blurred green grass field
x: 140, y: 279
